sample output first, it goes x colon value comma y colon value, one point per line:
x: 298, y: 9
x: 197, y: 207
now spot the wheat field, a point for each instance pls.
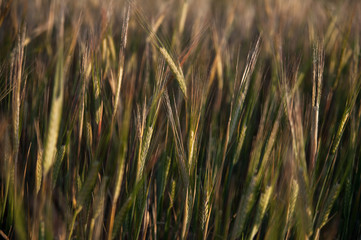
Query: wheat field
x: 180, y: 119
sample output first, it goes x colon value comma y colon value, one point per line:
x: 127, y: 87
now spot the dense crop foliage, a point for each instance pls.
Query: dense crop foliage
x: 180, y: 119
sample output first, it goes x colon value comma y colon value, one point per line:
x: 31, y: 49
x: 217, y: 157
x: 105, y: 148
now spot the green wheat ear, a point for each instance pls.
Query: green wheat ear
x: 85, y: 191
x: 323, y: 217
x: 176, y: 69
x: 98, y: 206
x: 318, y: 66
x: 244, y: 208
x: 261, y: 209
x: 55, y: 116
x: 59, y: 159
x: 292, y: 200
x: 159, y: 44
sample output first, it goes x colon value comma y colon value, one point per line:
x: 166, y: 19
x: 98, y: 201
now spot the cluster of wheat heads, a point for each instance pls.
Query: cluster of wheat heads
x: 180, y: 119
